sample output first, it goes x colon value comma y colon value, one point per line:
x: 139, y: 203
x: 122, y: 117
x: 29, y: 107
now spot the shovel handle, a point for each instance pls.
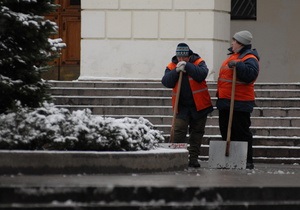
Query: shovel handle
x: 230, y: 113
x: 176, y: 107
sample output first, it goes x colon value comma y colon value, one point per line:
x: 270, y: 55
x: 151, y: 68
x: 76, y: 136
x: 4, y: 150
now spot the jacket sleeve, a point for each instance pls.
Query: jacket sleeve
x: 170, y: 78
x: 199, y: 72
x: 248, y: 70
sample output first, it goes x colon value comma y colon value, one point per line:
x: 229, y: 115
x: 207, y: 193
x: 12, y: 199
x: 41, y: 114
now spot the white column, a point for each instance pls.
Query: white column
x: 136, y: 39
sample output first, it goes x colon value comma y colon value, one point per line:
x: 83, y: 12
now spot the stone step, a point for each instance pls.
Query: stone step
x: 267, y: 141
x: 277, y: 151
x: 275, y: 120
x: 158, y: 92
x: 270, y: 149
x: 259, y: 131
x: 156, y: 84
x: 266, y: 149
x: 150, y: 197
x: 277, y: 93
x: 213, y: 120
x: 121, y: 109
x: 276, y: 112
x: 110, y: 84
x: 167, y: 110
x: 266, y: 154
x: 158, y: 101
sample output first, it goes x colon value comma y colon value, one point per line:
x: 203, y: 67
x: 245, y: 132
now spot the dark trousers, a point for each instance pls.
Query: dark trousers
x: 195, y: 128
x: 240, y: 130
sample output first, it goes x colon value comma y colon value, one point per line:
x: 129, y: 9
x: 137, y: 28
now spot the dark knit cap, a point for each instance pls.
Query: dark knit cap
x: 183, y: 50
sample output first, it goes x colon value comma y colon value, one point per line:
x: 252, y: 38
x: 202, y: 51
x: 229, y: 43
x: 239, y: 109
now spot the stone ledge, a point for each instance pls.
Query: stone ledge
x: 84, y: 162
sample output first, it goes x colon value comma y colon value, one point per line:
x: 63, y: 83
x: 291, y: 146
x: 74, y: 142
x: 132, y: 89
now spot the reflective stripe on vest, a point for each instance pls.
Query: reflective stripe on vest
x: 243, y: 91
x: 200, y: 90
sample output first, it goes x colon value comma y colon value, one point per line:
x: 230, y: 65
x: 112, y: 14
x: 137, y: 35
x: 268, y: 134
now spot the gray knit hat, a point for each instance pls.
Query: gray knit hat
x: 243, y: 37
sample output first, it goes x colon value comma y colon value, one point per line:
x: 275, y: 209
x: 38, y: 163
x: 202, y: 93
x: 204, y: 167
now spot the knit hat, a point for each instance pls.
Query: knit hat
x: 183, y: 50
x: 243, y: 37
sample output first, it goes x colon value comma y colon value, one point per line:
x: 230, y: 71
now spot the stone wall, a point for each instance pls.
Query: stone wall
x: 276, y: 35
x: 135, y: 39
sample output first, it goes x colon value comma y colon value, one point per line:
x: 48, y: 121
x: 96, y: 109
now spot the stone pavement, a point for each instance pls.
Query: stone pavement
x: 268, y: 186
x: 263, y: 175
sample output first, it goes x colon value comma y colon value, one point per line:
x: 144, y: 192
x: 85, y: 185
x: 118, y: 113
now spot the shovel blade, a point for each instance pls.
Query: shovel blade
x: 237, y: 158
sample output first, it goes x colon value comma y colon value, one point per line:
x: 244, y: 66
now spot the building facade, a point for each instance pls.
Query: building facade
x: 135, y: 39
x: 276, y: 32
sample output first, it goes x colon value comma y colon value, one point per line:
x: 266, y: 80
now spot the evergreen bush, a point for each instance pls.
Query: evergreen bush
x: 51, y: 128
x: 25, y: 51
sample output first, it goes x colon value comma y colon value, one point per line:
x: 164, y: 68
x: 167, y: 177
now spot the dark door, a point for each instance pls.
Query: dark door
x: 68, y: 19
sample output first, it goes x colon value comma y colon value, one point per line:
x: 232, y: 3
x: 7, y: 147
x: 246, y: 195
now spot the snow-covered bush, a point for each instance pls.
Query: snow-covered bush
x: 51, y: 128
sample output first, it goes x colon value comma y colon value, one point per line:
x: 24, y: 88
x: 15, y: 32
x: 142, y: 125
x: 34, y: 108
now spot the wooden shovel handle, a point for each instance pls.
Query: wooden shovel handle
x: 230, y: 113
x: 176, y: 107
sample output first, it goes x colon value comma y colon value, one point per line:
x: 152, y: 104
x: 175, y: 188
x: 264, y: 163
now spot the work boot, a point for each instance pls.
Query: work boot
x: 249, y: 166
x: 194, y: 163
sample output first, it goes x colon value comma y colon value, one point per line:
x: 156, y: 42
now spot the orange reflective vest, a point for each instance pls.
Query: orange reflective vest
x: 243, y: 91
x: 200, y: 90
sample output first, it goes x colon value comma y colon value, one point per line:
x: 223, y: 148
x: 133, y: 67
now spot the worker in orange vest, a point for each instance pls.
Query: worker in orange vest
x: 245, y: 60
x: 194, y: 100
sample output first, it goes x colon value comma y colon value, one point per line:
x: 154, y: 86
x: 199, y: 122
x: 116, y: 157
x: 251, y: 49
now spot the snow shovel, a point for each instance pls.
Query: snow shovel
x: 235, y: 156
x: 171, y: 144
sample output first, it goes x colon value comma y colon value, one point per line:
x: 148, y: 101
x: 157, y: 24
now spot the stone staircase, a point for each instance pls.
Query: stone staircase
x: 150, y: 198
x: 275, y: 120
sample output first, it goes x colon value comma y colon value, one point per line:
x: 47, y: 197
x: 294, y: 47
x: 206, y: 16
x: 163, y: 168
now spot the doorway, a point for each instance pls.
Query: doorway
x: 68, y: 18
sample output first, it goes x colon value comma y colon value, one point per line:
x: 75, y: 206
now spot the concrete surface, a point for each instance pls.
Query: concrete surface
x: 264, y: 175
x: 267, y: 187
x: 89, y: 162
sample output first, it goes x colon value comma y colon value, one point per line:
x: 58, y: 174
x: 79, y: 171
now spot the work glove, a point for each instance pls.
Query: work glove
x: 180, y: 66
x: 232, y: 64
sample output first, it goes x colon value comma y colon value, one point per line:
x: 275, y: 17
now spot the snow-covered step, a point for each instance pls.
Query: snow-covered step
x: 276, y: 111
x: 213, y: 120
x: 271, y: 93
x: 158, y: 100
x: 256, y: 130
x: 114, y: 100
x: 277, y: 102
x: 231, y: 190
x: 266, y: 86
x: 167, y: 110
x: 108, y: 84
x: 104, y: 91
x: 290, y: 141
x: 264, y: 121
x: 275, y: 120
x: 157, y: 84
x: 266, y: 149
x: 277, y: 93
x: 121, y: 109
x: 159, y: 91
x: 265, y: 154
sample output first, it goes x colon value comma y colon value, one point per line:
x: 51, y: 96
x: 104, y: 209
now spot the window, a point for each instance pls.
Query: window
x: 74, y: 2
x: 243, y: 9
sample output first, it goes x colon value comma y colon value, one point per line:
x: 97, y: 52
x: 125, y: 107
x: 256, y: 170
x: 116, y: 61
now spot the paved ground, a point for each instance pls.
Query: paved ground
x: 264, y: 175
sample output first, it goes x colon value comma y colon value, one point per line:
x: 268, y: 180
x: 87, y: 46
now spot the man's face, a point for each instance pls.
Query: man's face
x: 186, y: 59
x: 235, y: 45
